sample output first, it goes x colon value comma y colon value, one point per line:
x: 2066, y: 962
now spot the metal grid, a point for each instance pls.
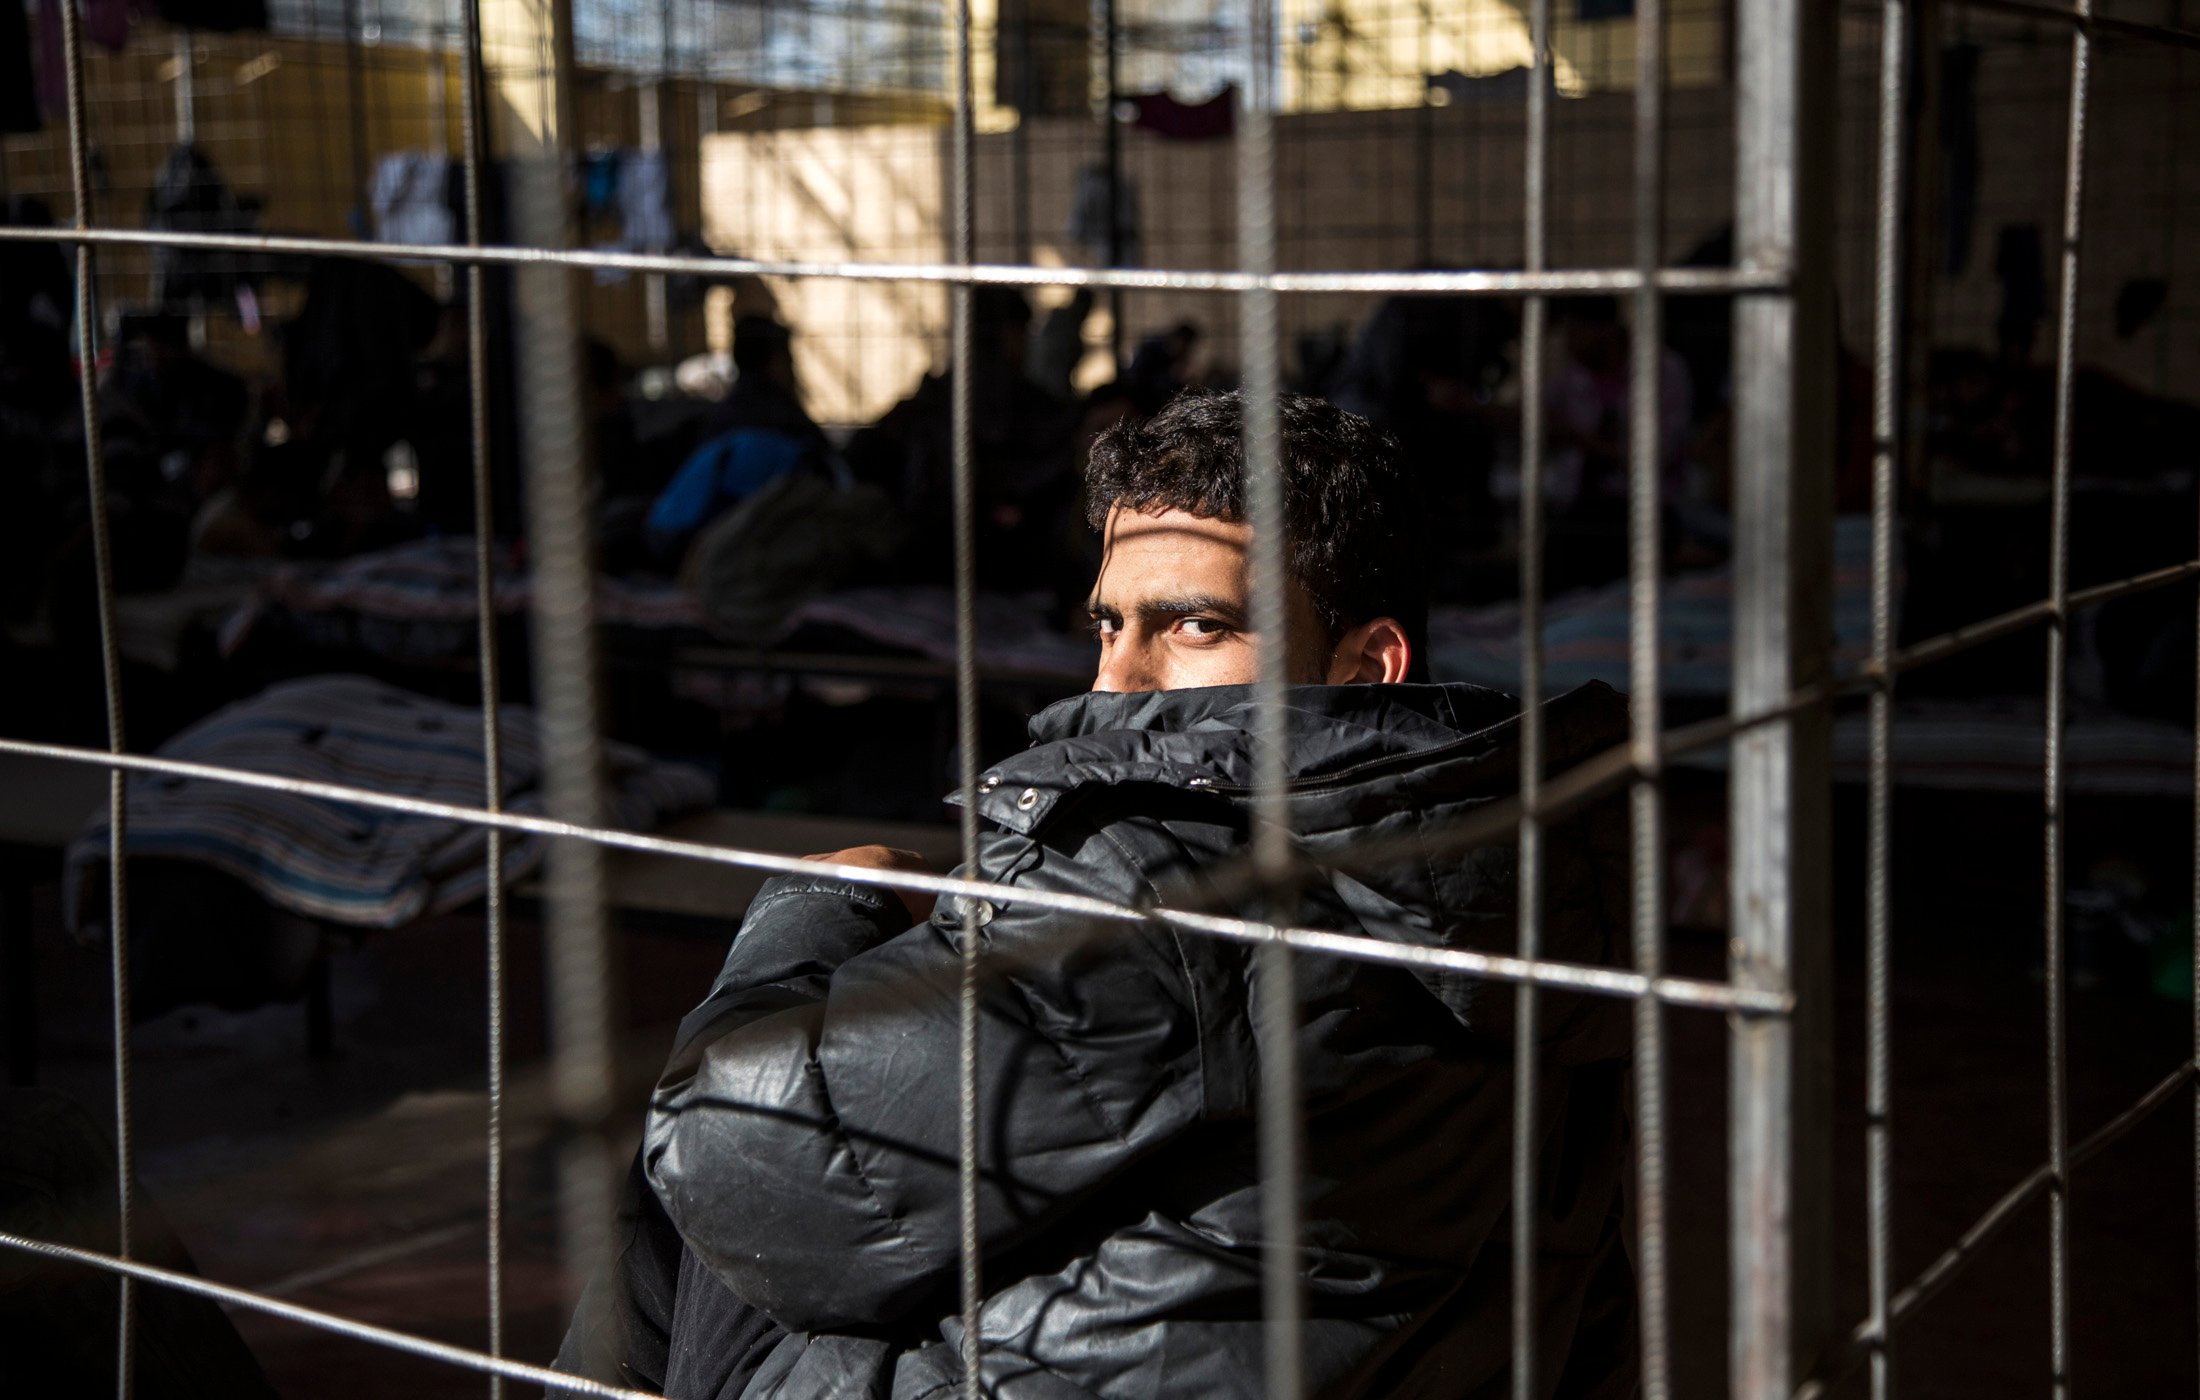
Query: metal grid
x: 1781, y: 1341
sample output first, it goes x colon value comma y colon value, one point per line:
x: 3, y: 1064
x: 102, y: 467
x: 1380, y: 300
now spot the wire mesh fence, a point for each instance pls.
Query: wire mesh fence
x: 1263, y: 258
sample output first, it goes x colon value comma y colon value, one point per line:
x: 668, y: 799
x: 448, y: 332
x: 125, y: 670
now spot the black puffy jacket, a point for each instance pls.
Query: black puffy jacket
x: 804, y: 1136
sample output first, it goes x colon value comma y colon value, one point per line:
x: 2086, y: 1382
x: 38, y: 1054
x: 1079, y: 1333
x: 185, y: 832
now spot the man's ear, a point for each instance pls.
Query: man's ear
x: 1371, y: 652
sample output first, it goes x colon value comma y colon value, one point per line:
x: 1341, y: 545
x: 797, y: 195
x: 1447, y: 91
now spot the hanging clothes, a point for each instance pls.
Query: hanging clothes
x: 1088, y: 216
x: 644, y: 200
x: 407, y: 196
x: 1172, y: 120
x: 107, y: 23
x: 600, y: 180
x: 222, y: 16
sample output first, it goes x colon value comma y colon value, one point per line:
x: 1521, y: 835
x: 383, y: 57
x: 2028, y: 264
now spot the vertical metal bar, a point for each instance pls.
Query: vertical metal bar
x: 531, y: 44
x: 474, y: 140
x: 1424, y: 149
x: 966, y: 694
x: 110, y: 661
x: 1645, y: 470
x: 355, y: 109
x: 187, y: 104
x: 1536, y: 191
x: 1111, y: 133
x: 1282, y: 1301
x: 1019, y: 148
x: 649, y: 120
x: 1888, y: 255
x: 1780, y: 1072
x: 2058, y: 637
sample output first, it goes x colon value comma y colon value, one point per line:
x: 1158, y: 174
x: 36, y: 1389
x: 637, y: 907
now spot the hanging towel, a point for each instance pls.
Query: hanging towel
x: 408, y: 200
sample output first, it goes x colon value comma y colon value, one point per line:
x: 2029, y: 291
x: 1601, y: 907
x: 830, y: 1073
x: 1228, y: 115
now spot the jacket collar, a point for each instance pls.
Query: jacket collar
x: 1200, y: 740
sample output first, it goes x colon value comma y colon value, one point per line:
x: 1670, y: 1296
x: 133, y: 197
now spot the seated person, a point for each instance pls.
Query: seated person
x: 758, y: 435
x: 791, y: 1226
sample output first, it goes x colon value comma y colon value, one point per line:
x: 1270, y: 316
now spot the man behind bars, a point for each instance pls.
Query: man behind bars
x: 798, y: 1234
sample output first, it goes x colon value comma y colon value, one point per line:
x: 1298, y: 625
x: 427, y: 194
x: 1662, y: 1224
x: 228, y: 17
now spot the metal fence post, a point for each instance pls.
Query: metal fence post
x: 528, y: 47
x: 1783, y: 447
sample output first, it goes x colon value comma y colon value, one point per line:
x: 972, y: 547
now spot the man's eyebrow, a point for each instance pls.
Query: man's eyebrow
x: 1227, y: 610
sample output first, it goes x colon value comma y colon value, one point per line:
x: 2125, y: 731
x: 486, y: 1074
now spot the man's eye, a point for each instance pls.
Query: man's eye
x: 1203, y: 627
x: 1104, y: 628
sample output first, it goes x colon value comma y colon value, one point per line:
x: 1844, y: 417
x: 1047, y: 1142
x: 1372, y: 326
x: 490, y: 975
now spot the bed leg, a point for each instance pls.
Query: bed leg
x: 320, y: 1009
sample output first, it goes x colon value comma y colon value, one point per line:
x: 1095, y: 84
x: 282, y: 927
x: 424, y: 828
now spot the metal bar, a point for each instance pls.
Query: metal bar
x: 1526, y: 1144
x: 355, y: 110
x: 110, y: 663
x: 1647, y: 829
x: 558, y: 1382
x: 1019, y: 145
x: 2084, y: 18
x: 1111, y: 134
x: 531, y: 48
x: 186, y: 93
x: 2058, y: 1092
x: 1612, y: 769
x: 1673, y: 281
x: 1780, y: 1071
x: 1679, y: 991
x: 473, y: 140
x: 965, y: 487
x: 1952, y: 1261
x: 1283, y: 1302
x: 1878, y: 924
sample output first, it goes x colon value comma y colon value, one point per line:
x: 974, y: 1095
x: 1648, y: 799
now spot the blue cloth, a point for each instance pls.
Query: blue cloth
x: 720, y: 473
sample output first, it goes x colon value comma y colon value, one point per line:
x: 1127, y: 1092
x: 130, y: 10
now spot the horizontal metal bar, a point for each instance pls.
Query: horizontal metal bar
x: 2096, y: 23
x: 1674, y: 281
x: 327, y: 1322
x: 1607, y: 772
x: 1491, y: 967
x: 1938, y: 1274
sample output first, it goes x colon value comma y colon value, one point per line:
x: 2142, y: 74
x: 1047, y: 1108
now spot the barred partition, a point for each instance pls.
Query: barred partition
x: 1785, y: 1340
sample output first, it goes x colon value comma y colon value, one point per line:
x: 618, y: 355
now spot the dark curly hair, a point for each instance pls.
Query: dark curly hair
x: 1351, y: 510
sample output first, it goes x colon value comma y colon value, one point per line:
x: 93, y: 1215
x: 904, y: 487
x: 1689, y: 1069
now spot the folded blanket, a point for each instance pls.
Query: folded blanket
x: 366, y: 867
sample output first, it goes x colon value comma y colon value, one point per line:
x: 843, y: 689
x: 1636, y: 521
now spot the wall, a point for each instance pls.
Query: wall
x: 1441, y: 186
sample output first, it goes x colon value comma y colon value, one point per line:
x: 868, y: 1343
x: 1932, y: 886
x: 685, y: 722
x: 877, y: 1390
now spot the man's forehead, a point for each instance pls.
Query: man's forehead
x: 1178, y: 529
x: 1166, y: 554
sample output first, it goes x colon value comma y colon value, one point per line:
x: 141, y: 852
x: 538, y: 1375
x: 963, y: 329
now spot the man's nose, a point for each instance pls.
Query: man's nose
x: 1122, y: 671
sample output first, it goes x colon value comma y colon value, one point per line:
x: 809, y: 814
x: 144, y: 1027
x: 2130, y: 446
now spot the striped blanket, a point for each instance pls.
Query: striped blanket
x: 351, y: 865
x: 1585, y: 633
x: 416, y: 602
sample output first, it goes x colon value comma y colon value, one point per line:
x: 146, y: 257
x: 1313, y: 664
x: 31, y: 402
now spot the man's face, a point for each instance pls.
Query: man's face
x: 1173, y: 607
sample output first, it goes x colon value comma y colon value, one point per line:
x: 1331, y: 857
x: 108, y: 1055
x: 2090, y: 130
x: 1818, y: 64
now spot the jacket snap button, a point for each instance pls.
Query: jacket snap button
x: 1199, y: 782
x: 1027, y: 799
x: 989, y: 782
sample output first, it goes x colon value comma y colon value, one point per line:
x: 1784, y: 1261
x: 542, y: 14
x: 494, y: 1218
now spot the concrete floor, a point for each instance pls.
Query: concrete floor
x: 357, y: 1186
